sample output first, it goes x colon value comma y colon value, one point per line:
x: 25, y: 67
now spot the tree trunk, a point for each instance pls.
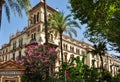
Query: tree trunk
x: 61, y: 48
x: 45, y: 22
x: 0, y: 11
x: 102, y: 69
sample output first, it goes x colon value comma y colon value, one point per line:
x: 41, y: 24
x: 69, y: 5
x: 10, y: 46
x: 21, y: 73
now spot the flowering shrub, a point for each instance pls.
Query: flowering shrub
x: 38, y: 60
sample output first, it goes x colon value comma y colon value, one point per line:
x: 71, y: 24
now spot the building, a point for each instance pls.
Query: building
x: 34, y: 33
x: 10, y: 71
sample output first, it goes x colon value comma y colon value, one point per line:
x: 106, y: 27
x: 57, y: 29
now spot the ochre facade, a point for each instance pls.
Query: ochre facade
x: 10, y: 71
x: 16, y: 46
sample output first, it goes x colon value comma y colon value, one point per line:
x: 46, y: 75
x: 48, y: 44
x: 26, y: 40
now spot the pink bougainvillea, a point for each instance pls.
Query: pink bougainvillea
x: 38, y: 59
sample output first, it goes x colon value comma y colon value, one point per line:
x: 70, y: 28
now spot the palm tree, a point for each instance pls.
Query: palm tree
x: 59, y: 24
x: 99, y: 49
x: 15, y: 6
x: 45, y: 20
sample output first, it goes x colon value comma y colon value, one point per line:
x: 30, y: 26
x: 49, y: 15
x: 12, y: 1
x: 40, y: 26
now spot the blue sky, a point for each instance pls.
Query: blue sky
x: 17, y: 24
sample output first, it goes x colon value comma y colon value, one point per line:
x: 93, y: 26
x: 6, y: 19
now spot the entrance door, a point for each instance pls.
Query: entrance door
x: 10, y: 80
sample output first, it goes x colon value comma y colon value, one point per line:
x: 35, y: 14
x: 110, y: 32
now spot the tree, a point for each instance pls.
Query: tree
x: 37, y: 62
x: 15, y: 6
x: 100, y: 50
x: 59, y: 24
x: 80, y: 72
x: 102, y: 18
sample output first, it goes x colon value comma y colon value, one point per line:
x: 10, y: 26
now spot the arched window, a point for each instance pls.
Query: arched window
x: 65, y: 56
x: 66, y: 47
x: 20, y: 56
x: 21, y: 41
x: 51, y: 37
x: 14, y: 45
x: 38, y: 28
x: 34, y: 36
x: 6, y: 57
x: 13, y: 56
x: 38, y: 16
x: 77, y: 51
x: 34, y: 19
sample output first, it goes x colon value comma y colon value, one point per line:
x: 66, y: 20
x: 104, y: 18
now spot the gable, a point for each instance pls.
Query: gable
x: 11, y: 65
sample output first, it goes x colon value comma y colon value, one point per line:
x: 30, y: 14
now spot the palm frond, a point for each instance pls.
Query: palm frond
x: 73, y: 31
x: 15, y: 7
x: 67, y: 18
x: 69, y: 33
x: 24, y: 4
x: 73, y: 24
x: 7, y: 10
x: 61, y: 23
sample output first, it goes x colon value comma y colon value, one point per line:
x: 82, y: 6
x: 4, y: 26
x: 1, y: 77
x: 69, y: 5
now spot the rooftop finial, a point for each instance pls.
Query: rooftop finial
x: 57, y: 9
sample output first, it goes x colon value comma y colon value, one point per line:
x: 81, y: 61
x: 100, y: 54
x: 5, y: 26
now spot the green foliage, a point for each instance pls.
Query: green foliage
x: 116, y: 78
x: 15, y: 6
x: 102, y: 18
x: 100, y: 50
x: 59, y: 23
x: 107, y: 76
x: 80, y: 72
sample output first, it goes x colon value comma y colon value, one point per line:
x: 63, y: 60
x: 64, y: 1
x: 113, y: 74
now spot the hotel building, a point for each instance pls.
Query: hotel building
x: 71, y: 47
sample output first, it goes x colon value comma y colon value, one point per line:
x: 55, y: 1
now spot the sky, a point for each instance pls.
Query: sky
x: 17, y: 23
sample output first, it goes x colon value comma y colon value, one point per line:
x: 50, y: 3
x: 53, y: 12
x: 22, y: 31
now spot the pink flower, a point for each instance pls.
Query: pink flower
x: 51, y: 50
x: 46, y: 60
x: 32, y: 46
x: 38, y: 56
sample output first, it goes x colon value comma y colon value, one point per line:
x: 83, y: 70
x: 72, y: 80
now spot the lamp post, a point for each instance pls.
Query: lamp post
x: 45, y: 22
